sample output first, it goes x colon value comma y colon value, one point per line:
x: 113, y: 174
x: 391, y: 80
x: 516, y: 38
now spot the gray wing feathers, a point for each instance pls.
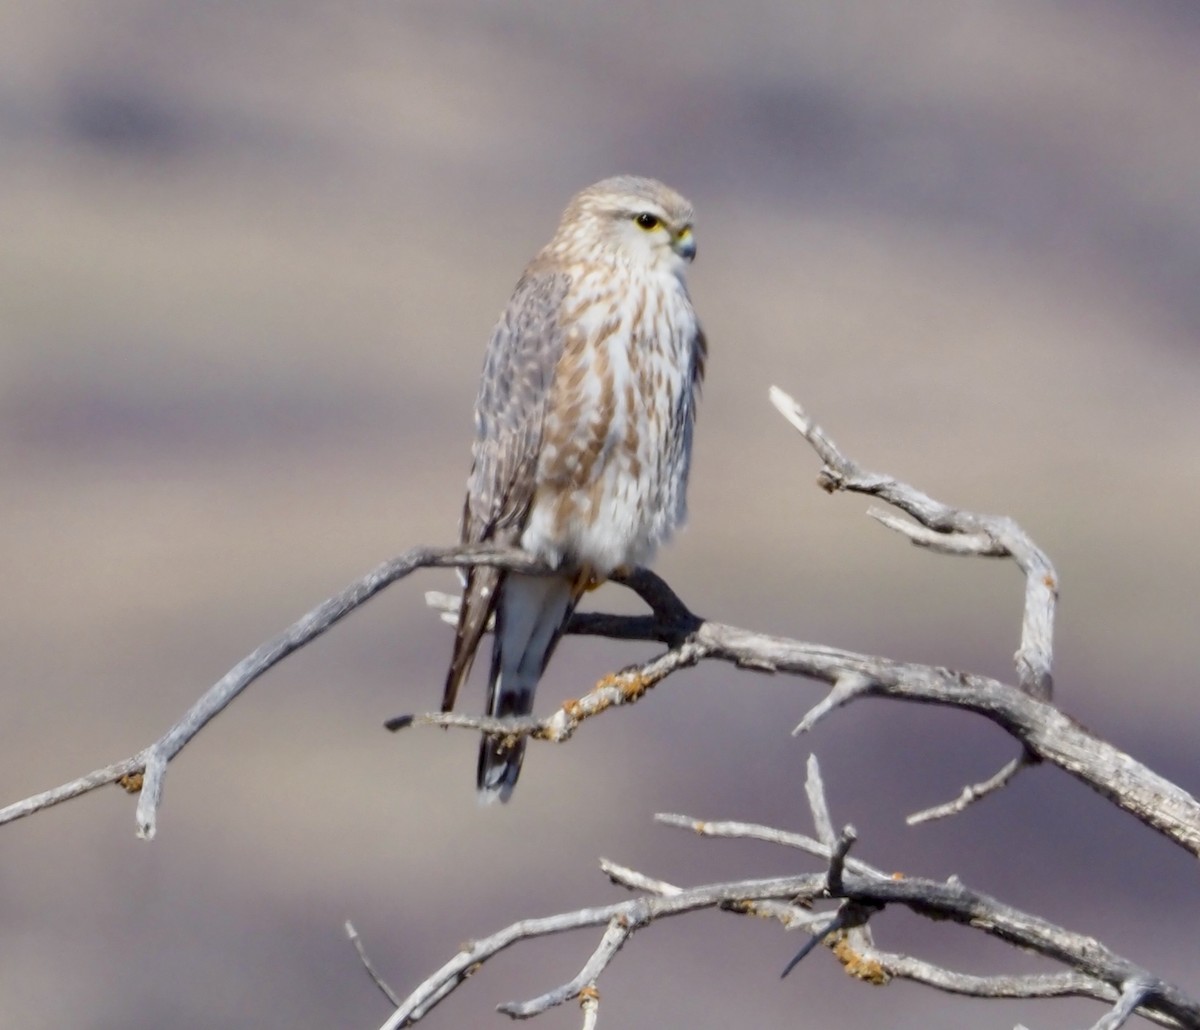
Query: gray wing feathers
x: 518, y: 370
x: 509, y: 414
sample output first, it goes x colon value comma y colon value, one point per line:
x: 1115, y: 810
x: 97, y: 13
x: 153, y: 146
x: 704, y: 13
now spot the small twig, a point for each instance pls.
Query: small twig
x: 365, y: 959
x: 624, y: 687
x: 970, y: 545
x: 846, y: 688
x: 814, y: 789
x: 618, y: 932
x: 623, y: 876
x: 837, y: 861
x: 975, y: 791
x: 730, y: 829
x: 789, y: 916
x: 512, y: 726
x: 1031, y: 985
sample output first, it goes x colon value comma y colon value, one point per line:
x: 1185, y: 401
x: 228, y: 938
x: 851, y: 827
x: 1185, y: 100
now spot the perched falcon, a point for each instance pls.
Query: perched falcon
x: 583, y: 434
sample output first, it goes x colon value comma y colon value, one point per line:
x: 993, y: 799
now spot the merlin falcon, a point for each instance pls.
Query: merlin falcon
x: 583, y: 435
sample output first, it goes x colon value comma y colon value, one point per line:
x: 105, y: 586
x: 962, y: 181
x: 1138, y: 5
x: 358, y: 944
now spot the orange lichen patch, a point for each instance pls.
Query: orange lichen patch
x: 130, y: 782
x: 634, y: 685
x: 1049, y: 582
x: 897, y: 876
x: 865, y: 969
x: 589, y: 993
x: 573, y: 709
x: 631, y: 685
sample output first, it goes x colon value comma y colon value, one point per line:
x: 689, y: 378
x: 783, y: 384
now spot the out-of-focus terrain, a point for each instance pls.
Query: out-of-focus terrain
x: 249, y: 257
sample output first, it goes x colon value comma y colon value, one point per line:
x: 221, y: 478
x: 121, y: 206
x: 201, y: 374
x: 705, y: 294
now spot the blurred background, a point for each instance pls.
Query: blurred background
x: 249, y: 257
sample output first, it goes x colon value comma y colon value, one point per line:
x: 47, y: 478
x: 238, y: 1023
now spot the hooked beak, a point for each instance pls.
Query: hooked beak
x: 684, y: 244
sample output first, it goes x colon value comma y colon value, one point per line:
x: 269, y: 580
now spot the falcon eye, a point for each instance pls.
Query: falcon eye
x: 648, y: 221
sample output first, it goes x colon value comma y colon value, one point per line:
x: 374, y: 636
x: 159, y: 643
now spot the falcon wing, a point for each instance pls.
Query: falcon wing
x: 518, y: 370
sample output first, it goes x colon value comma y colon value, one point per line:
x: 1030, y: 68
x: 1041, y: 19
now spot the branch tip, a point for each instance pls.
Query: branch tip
x: 975, y: 791
x: 837, y: 860
x: 848, y: 685
x: 365, y: 959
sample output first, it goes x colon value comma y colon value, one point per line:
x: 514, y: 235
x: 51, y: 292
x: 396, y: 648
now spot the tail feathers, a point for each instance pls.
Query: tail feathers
x: 500, y: 757
x: 529, y: 622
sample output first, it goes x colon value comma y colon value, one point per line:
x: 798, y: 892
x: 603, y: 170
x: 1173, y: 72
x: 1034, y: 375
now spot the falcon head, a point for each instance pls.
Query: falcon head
x: 641, y: 221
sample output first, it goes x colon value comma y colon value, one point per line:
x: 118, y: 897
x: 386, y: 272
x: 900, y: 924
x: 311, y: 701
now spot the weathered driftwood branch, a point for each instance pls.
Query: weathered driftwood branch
x: 863, y: 893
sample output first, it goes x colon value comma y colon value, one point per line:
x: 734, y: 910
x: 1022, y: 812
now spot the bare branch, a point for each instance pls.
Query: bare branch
x: 837, y: 860
x: 888, y: 965
x: 1032, y: 985
x: 964, y: 533
x: 635, y: 913
x: 814, y: 789
x: 975, y: 791
x: 972, y: 545
x: 153, y: 761
x: 846, y: 688
x: 861, y: 890
x: 1044, y: 731
x: 1094, y: 970
x: 791, y: 917
x: 623, y: 876
x: 365, y: 959
x: 753, y: 831
x: 624, y: 687
x: 614, y: 939
x: 128, y: 770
